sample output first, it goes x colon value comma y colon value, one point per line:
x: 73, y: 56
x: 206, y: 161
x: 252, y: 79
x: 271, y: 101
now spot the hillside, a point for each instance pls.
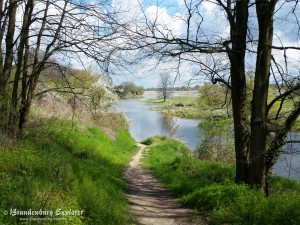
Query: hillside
x: 63, y: 170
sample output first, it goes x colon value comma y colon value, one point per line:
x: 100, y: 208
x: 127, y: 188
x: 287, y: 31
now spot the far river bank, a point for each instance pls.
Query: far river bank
x: 145, y: 123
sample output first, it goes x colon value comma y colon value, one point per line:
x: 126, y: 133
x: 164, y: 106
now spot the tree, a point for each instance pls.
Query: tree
x: 91, y: 88
x: 171, y: 123
x: 129, y: 88
x: 251, y: 32
x: 165, y: 85
x: 34, y: 34
x: 214, y: 96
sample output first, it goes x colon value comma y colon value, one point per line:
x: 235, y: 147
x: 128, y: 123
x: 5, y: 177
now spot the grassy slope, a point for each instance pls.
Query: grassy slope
x: 209, y: 187
x: 62, y: 165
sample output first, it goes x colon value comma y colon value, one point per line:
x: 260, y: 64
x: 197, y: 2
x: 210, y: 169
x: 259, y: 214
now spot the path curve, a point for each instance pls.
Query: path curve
x: 150, y: 203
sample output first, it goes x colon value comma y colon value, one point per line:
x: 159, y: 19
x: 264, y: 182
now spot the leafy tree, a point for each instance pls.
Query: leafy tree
x: 214, y: 96
x: 129, y: 88
x: 91, y: 88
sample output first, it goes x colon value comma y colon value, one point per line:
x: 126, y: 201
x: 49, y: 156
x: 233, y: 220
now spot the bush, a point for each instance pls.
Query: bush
x: 215, y: 196
x: 218, y: 142
x: 148, y: 141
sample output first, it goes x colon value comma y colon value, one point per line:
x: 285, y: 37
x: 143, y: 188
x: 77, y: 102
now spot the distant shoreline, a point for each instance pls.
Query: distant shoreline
x: 175, y: 93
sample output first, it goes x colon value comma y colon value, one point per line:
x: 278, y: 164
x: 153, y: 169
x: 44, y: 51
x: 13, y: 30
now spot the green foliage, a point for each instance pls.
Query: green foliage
x: 127, y: 89
x: 209, y: 187
x: 214, y: 196
x: 218, y: 142
x: 212, y: 95
x: 60, y: 165
x: 148, y: 141
x: 171, y: 161
x: 91, y: 87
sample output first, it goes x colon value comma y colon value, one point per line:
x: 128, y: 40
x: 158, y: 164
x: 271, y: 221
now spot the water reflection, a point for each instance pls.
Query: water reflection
x: 288, y: 164
x: 146, y: 123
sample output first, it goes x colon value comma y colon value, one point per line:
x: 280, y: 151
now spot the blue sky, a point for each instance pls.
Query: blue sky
x: 146, y: 73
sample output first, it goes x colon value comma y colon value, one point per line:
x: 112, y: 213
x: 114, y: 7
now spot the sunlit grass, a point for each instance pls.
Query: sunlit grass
x: 210, y: 188
x: 196, y: 108
x: 182, y: 106
x: 62, y: 165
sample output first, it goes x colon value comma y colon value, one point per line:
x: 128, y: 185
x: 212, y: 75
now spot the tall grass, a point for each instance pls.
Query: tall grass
x: 62, y: 165
x: 209, y: 187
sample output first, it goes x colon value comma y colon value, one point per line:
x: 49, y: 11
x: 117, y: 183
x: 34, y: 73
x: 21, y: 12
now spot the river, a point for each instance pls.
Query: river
x: 146, y: 123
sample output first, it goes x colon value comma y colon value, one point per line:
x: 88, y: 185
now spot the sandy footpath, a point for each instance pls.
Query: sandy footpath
x: 152, y: 204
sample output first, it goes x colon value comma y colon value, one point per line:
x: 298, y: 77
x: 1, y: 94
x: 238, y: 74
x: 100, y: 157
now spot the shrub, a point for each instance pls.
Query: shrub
x: 218, y: 142
x: 148, y: 141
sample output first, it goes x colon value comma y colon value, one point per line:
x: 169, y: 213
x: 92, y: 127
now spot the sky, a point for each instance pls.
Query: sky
x: 170, y: 14
x: 171, y: 17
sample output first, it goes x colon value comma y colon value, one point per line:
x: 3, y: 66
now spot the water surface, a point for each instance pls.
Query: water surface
x: 145, y: 123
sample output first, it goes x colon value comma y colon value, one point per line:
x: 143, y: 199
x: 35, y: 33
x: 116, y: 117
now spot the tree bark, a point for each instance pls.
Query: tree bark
x: 239, y: 90
x: 9, y: 45
x: 257, y: 173
x: 21, y: 67
x: 6, y: 67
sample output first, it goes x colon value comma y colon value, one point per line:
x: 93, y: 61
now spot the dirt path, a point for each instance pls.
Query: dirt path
x: 150, y: 202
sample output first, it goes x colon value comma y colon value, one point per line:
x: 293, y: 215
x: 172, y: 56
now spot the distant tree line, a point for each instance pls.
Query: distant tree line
x: 127, y: 89
x: 181, y: 88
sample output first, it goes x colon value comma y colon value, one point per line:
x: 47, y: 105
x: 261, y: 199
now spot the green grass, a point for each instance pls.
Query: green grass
x: 193, y: 108
x: 209, y: 187
x: 62, y: 165
x: 201, y: 109
x: 191, y: 112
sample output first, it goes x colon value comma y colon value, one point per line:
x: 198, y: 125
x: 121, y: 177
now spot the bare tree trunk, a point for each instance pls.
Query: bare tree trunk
x: 24, y: 89
x: 20, y: 68
x: 239, y: 90
x: 6, y: 68
x: 257, y: 173
x: 9, y: 45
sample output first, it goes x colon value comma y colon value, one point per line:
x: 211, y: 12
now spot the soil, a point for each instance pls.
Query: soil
x: 150, y: 202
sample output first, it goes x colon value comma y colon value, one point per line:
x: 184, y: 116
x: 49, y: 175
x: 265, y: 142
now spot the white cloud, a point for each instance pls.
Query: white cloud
x: 215, y: 27
x: 209, y: 6
x: 160, y: 16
